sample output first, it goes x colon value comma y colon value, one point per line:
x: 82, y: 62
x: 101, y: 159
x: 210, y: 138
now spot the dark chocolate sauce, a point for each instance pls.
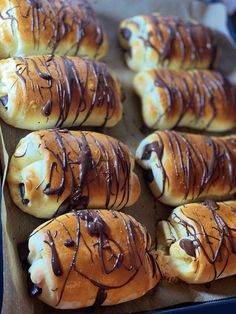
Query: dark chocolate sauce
x: 126, y: 33
x: 22, y: 194
x: 101, y: 297
x: 56, y: 267
x: 69, y: 243
x: 188, y: 246
x: 4, y: 101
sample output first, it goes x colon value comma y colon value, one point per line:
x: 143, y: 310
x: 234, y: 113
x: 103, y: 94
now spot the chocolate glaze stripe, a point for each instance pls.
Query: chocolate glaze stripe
x: 54, y: 259
x: 189, y: 161
x: 96, y: 227
x: 225, y: 239
x: 70, y: 88
x: 207, y: 88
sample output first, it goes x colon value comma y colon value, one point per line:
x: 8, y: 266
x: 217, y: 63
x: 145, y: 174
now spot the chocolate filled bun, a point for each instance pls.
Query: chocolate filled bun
x: 62, y: 27
x: 153, y: 41
x: 182, y: 168
x: 198, y: 99
x: 91, y: 257
x: 197, y: 243
x: 46, y: 92
x: 54, y: 171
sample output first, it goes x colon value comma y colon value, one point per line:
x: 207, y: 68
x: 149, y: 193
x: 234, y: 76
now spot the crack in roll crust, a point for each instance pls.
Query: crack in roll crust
x: 199, y: 99
x: 197, y: 243
x: 153, y: 41
x: 47, y: 92
x: 182, y: 167
x: 108, y: 262
x: 63, y: 27
x: 54, y: 171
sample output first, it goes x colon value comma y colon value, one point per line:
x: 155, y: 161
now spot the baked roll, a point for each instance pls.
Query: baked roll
x: 153, y: 41
x: 62, y: 27
x: 198, y: 99
x: 182, y: 168
x: 197, y: 243
x: 54, y: 171
x: 91, y: 257
x: 47, y: 92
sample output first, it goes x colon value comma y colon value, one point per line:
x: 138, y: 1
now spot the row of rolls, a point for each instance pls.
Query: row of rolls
x: 87, y: 253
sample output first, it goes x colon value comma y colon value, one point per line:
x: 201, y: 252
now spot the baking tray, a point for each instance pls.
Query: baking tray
x: 130, y: 131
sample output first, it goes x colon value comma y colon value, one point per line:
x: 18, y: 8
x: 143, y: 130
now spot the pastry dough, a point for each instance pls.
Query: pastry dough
x: 47, y: 92
x: 198, y: 242
x: 62, y: 27
x: 198, y: 99
x: 153, y: 41
x: 54, y: 171
x: 182, y: 168
x: 91, y: 257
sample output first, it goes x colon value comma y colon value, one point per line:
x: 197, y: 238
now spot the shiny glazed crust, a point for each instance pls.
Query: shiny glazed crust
x: 182, y: 168
x: 197, y: 243
x: 91, y: 257
x: 198, y: 99
x: 52, y: 172
x: 153, y: 41
x: 62, y: 27
x: 47, y: 92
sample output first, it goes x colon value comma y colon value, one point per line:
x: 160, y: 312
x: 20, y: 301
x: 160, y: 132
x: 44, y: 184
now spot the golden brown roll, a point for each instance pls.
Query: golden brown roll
x: 91, y: 257
x: 62, y: 27
x: 182, y: 168
x: 54, y: 171
x: 153, y: 41
x: 198, y: 99
x: 47, y: 92
x: 197, y: 243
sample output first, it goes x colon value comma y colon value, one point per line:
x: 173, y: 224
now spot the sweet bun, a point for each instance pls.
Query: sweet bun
x: 54, y: 171
x: 182, y: 168
x: 46, y: 92
x: 91, y: 257
x: 197, y: 243
x: 153, y: 41
x: 59, y: 27
x: 198, y: 99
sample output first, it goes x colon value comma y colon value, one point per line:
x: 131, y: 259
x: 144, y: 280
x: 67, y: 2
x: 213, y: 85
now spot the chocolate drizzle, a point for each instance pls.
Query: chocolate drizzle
x: 60, y: 20
x: 188, y: 246
x: 206, y: 243
x: 22, y: 194
x: 54, y: 259
x: 4, y: 101
x: 196, y: 93
x: 68, y: 92
x: 198, y: 162
x: 172, y: 38
x: 110, y: 253
x: 84, y: 162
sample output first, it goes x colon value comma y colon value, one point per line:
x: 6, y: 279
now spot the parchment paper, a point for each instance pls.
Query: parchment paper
x: 17, y: 225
